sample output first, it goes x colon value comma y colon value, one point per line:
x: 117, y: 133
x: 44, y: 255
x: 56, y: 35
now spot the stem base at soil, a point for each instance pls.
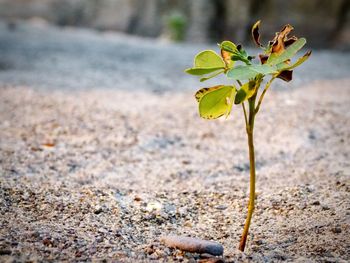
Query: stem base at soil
x: 251, y: 205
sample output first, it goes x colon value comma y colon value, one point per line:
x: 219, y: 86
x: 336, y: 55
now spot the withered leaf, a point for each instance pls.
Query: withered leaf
x: 226, y: 56
x: 256, y: 34
x: 263, y: 58
x: 290, y: 41
x: 286, y: 75
x: 278, y: 42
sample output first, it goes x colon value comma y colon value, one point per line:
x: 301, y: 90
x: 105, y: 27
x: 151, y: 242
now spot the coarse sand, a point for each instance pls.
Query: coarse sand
x: 102, y: 172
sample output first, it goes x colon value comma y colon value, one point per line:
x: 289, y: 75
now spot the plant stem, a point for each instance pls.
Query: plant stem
x: 250, y: 128
x: 245, y: 115
x: 268, y: 84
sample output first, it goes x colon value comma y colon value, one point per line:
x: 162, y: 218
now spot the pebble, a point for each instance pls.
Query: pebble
x: 98, y: 210
x: 316, y: 203
x: 221, y: 207
x: 211, y: 260
x: 324, y: 207
x: 137, y: 198
x: 5, y: 252
x: 336, y: 230
x: 193, y: 245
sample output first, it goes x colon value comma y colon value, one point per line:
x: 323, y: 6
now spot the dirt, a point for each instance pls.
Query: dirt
x: 101, y: 171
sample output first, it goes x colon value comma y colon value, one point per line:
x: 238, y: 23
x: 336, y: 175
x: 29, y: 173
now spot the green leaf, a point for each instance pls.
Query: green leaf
x: 227, y: 50
x: 275, y: 59
x: 243, y: 53
x: 216, y: 101
x: 228, y: 46
x: 200, y: 93
x: 211, y: 76
x: 264, y: 69
x: 236, y: 52
x: 301, y: 60
x: 245, y: 92
x: 242, y: 73
x: 208, y: 59
x: 206, y: 62
x: 250, y: 71
x: 201, y: 71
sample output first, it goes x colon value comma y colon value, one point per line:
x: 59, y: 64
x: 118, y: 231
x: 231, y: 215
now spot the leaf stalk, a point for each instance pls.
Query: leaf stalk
x: 268, y: 84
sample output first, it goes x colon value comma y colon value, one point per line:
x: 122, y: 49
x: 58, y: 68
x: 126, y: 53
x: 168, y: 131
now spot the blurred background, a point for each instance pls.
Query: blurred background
x: 96, y: 111
x: 325, y: 23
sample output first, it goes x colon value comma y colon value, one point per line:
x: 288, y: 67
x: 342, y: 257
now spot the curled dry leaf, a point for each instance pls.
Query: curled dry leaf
x: 278, y: 45
x: 256, y: 34
x: 286, y: 75
x: 263, y: 58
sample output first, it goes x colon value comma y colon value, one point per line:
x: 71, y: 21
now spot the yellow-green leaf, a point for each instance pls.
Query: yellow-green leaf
x: 208, y: 59
x: 212, y: 75
x: 216, y: 101
x: 245, y: 92
x: 301, y: 60
x: 228, y: 46
x: 200, y: 93
x: 275, y: 58
x: 201, y: 71
x: 227, y: 50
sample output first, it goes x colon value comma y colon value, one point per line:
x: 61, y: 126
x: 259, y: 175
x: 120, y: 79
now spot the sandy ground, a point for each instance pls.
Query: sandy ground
x: 101, y: 155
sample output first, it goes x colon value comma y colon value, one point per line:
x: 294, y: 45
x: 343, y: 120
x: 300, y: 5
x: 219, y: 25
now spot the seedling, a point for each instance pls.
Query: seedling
x: 249, y: 73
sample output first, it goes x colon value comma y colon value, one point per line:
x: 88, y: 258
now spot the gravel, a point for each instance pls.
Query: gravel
x: 102, y: 153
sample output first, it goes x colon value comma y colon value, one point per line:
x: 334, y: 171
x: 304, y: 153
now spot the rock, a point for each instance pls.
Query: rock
x: 336, y: 230
x: 207, y: 258
x: 193, y: 245
x: 221, y: 207
x: 211, y: 260
x: 137, y: 198
x: 47, y: 242
x: 5, y: 252
x: 324, y: 207
x: 98, y: 210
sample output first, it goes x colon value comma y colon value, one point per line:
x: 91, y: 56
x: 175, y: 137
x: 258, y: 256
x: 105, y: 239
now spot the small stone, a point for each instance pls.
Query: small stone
x: 154, y: 207
x: 316, y: 203
x: 221, y: 207
x: 188, y: 224
x: 99, y: 239
x: 302, y: 206
x: 47, y: 242
x: 98, y: 210
x: 193, y: 245
x: 258, y: 242
x: 324, y: 207
x: 137, y: 198
x: 5, y: 252
x: 211, y: 260
x: 336, y: 230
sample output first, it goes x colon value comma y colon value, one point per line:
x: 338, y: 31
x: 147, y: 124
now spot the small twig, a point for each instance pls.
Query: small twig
x: 245, y: 115
x: 268, y: 84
